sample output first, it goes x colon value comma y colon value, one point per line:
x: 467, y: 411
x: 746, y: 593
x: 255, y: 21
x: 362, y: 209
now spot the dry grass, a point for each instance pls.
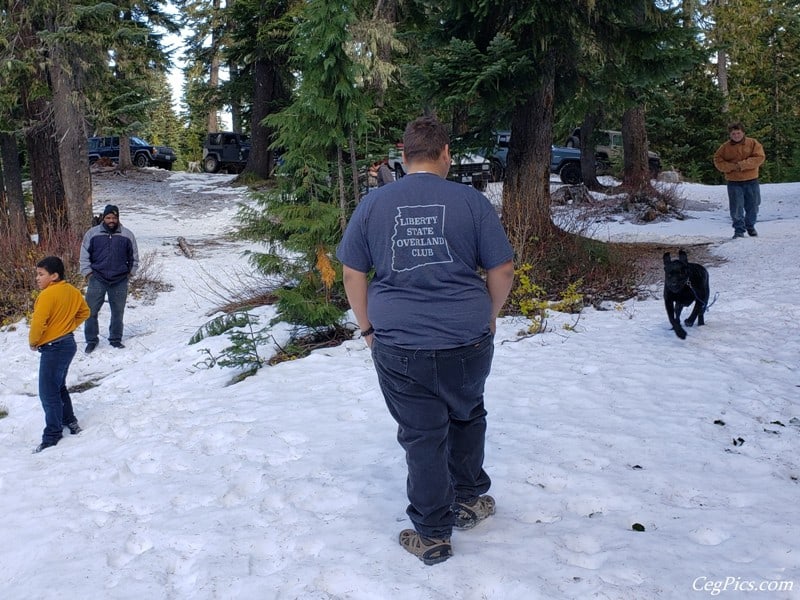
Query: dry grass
x: 147, y: 283
x: 18, y: 258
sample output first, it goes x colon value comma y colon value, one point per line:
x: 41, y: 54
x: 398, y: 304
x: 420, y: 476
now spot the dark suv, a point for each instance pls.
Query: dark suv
x: 564, y: 162
x: 142, y: 153
x: 225, y: 151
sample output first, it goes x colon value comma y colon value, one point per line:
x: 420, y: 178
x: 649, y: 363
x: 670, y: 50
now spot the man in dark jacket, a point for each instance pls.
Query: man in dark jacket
x: 109, y: 256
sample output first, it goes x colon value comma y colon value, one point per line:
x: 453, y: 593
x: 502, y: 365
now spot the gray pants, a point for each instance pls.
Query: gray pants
x: 96, y: 293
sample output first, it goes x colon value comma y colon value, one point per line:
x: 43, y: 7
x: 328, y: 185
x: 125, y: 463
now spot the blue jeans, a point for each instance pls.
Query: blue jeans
x: 744, y: 198
x: 53, y: 366
x: 436, y: 397
x: 96, y: 292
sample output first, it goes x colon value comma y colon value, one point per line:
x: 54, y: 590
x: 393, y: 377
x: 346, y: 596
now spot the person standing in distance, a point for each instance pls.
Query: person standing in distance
x: 739, y: 159
x: 109, y: 257
x: 429, y: 318
x: 58, y: 311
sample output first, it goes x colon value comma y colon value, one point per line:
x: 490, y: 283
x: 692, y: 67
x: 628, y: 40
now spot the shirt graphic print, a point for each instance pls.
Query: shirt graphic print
x: 418, y: 238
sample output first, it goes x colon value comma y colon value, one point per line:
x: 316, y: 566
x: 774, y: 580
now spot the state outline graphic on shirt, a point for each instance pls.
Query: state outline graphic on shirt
x: 418, y: 238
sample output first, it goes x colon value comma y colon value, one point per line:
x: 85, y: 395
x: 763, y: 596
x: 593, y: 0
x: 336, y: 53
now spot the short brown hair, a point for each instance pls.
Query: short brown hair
x: 736, y: 125
x: 424, y: 139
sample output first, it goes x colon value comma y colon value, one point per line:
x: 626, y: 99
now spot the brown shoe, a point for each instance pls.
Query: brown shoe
x: 470, y: 514
x: 428, y: 550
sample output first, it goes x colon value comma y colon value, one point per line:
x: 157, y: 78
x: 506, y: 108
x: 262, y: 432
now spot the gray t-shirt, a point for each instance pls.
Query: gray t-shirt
x: 425, y: 237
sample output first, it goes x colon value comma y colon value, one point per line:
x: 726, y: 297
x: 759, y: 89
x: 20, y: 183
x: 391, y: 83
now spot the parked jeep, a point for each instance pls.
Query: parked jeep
x: 469, y: 168
x: 609, y: 149
x: 225, y: 151
x: 142, y: 153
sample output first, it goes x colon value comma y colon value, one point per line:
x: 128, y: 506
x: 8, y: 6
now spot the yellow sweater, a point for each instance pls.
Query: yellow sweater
x: 59, y: 309
x: 740, y: 161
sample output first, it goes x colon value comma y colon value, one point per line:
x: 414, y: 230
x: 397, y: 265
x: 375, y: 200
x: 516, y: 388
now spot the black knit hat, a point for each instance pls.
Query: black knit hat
x: 110, y: 209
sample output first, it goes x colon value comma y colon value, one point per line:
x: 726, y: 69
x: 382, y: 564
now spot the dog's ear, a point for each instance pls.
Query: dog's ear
x: 682, y: 257
x: 667, y: 258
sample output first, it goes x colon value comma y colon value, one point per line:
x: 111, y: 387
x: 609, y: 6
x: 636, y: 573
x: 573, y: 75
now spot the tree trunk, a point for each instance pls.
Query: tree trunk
x: 526, y: 193
x: 636, y: 172
x: 73, y: 146
x: 125, y: 161
x: 385, y: 10
x: 49, y: 201
x: 213, y: 75
x: 342, y: 195
x: 722, y: 77
x: 260, y: 161
x: 237, y: 118
x: 354, y: 170
x: 588, y: 158
x: 12, y: 174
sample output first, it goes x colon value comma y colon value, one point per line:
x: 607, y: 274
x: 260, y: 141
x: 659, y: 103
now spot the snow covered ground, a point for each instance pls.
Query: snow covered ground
x: 290, y: 485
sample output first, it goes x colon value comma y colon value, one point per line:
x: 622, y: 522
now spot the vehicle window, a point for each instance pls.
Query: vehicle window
x: 138, y: 141
x: 616, y: 139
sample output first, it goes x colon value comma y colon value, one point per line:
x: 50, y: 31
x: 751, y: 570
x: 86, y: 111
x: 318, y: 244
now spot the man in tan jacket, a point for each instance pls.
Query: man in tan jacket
x: 739, y: 159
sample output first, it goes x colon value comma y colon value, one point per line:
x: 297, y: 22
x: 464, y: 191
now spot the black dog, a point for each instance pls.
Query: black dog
x: 684, y: 283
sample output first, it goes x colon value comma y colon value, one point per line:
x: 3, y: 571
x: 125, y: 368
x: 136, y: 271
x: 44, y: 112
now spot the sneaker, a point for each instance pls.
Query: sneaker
x: 470, y: 514
x: 74, y: 428
x: 738, y: 234
x: 90, y: 347
x: 43, y: 446
x: 117, y: 345
x: 752, y: 232
x: 429, y: 550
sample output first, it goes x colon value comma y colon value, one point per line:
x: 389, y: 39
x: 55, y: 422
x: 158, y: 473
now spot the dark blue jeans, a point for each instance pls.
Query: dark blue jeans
x: 96, y: 292
x: 744, y: 198
x: 436, y: 397
x: 53, y: 366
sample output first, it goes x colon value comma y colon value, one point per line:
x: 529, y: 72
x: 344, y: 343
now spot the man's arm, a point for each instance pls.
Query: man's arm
x: 85, y: 257
x: 355, y: 286
x: 498, y: 281
x: 134, y: 260
x: 725, y: 166
x: 756, y: 158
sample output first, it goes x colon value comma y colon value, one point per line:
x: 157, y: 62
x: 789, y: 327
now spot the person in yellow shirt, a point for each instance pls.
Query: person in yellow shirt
x: 739, y: 159
x: 58, y: 311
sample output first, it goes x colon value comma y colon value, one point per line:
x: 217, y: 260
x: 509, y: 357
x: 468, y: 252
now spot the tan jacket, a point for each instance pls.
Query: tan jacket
x: 740, y: 162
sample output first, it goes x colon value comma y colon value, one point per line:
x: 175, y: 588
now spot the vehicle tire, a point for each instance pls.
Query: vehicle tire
x: 480, y: 185
x: 570, y: 173
x: 398, y: 172
x: 141, y: 161
x: 168, y: 166
x: 603, y: 164
x: 655, y: 168
x: 210, y: 164
x: 497, y: 170
x: 573, y: 142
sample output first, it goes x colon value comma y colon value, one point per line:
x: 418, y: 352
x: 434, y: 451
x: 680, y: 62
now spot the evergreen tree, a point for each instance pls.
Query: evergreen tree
x: 303, y: 220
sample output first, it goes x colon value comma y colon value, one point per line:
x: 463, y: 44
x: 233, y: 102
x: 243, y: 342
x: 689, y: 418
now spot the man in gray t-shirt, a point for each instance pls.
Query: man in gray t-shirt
x: 429, y: 318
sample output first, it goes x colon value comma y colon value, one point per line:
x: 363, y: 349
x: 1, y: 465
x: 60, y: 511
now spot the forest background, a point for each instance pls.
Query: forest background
x: 330, y: 86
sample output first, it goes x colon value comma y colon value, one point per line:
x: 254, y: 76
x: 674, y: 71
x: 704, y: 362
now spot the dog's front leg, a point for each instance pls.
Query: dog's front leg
x: 697, y: 312
x: 674, y: 313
